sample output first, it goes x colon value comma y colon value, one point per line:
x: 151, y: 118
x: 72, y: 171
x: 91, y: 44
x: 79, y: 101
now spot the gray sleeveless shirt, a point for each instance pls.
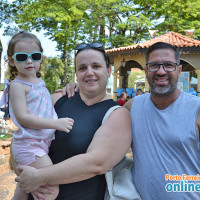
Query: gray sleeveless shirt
x: 165, y: 142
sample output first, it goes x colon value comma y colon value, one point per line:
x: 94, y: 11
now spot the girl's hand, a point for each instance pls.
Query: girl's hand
x: 64, y: 124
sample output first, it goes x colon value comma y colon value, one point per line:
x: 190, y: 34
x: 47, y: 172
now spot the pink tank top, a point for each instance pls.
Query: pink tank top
x: 39, y: 103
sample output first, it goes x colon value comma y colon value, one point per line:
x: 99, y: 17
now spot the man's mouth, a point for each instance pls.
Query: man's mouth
x: 161, y: 80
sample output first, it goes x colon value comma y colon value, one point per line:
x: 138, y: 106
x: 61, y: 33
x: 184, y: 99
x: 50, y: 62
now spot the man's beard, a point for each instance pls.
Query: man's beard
x: 163, y: 90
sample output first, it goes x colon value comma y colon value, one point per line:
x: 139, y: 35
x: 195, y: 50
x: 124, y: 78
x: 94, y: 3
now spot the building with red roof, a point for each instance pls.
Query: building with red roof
x: 126, y: 58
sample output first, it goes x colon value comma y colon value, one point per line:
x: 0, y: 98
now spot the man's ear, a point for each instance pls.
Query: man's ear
x: 179, y: 70
x: 145, y: 69
x: 11, y: 61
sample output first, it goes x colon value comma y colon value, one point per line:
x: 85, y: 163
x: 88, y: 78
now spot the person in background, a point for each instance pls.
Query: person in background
x: 139, y: 92
x: 122, y: 99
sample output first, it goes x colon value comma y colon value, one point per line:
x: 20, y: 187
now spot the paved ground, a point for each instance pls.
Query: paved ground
x: 7, y: 185
x: 7, y: 178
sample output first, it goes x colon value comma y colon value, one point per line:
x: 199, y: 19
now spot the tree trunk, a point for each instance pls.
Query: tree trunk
x: 64, y: 81
x: 102, y: 31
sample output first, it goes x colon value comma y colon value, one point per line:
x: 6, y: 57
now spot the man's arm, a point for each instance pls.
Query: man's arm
x: 128, y: 104
x: 109, y: 145
x: 69, y: 89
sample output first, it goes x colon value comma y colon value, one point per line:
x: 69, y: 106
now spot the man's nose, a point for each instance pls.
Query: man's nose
x: 161, y: 70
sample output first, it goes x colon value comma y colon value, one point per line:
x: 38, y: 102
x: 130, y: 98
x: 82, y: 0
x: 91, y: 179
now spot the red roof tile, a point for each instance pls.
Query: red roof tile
x: 175, y: 39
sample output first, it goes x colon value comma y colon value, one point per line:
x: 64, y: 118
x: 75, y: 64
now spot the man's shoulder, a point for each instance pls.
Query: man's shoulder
x: 191, y: 97
x: 140, y: 97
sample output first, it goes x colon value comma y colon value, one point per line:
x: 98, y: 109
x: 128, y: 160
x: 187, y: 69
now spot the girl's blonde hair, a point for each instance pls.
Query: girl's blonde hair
x: 11, y: 46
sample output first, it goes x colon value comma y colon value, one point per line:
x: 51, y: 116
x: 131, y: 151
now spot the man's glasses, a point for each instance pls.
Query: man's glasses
x: 23, y: 57
x: 167, y: 66
x: 96, y: 45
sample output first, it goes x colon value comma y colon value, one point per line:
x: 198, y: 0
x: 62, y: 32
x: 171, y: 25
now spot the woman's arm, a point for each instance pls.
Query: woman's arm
x: 19, y: 105
x: 109, y: 145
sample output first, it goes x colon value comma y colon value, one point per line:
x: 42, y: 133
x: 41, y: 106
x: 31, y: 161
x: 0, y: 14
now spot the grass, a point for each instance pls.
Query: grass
x: 4, y: 136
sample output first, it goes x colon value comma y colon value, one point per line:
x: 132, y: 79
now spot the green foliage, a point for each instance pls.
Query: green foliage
x: 52, y: 70
x: 4, y: 136
x: 2, y: 86
x: 176, y: 15
x: 113, y: 22
x: 134, y: 76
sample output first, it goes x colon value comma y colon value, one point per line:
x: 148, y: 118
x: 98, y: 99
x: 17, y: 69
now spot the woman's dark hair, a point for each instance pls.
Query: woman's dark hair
x: 100, y: 49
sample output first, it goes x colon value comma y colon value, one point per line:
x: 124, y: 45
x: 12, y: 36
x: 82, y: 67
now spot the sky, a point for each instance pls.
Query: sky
x: 49, y: 47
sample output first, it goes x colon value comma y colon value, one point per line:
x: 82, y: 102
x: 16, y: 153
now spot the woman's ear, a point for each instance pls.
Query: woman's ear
x: 11, y: 61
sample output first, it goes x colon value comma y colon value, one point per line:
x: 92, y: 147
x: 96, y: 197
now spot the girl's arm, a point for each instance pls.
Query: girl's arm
x: 19, y: 105
x: 109, y: 145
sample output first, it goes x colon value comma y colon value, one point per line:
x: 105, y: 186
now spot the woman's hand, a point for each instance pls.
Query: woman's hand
x: 29, y: 179
x: 69, y: 89
x: 42, y: 193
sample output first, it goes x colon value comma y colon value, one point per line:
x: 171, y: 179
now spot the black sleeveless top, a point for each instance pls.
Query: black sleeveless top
x: 87, y: 119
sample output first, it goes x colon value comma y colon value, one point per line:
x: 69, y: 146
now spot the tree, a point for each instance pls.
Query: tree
x: 52, y: 70
x: 59, y: 19
x: 172, y: 15
x: 135, y: 76
x: 113, y: 22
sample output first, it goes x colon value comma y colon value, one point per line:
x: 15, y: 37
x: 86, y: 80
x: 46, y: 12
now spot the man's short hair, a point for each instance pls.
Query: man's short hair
x: 122, y: 94
x: 139, y: 90
x: 162, y: 45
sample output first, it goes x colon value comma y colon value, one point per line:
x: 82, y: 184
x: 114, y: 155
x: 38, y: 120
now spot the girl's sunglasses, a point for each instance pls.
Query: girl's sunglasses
x: 23, y: 57
x: 93, y: 45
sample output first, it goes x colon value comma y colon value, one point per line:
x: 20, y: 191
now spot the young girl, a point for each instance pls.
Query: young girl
x: 31, y: 107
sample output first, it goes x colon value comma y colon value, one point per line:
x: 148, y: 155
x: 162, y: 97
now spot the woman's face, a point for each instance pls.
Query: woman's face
x: 92, y: 74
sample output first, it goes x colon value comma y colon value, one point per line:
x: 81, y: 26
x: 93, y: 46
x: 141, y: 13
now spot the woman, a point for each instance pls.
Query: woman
x: 82, y: 157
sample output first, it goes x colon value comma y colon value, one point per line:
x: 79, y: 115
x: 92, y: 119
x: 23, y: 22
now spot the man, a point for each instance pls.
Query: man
x: 122, y: 99
x: 165, y: 128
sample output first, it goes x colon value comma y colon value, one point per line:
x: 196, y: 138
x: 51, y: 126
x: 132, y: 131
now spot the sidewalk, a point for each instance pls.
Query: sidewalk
x: 7, y: 176
x: 7, y: 185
